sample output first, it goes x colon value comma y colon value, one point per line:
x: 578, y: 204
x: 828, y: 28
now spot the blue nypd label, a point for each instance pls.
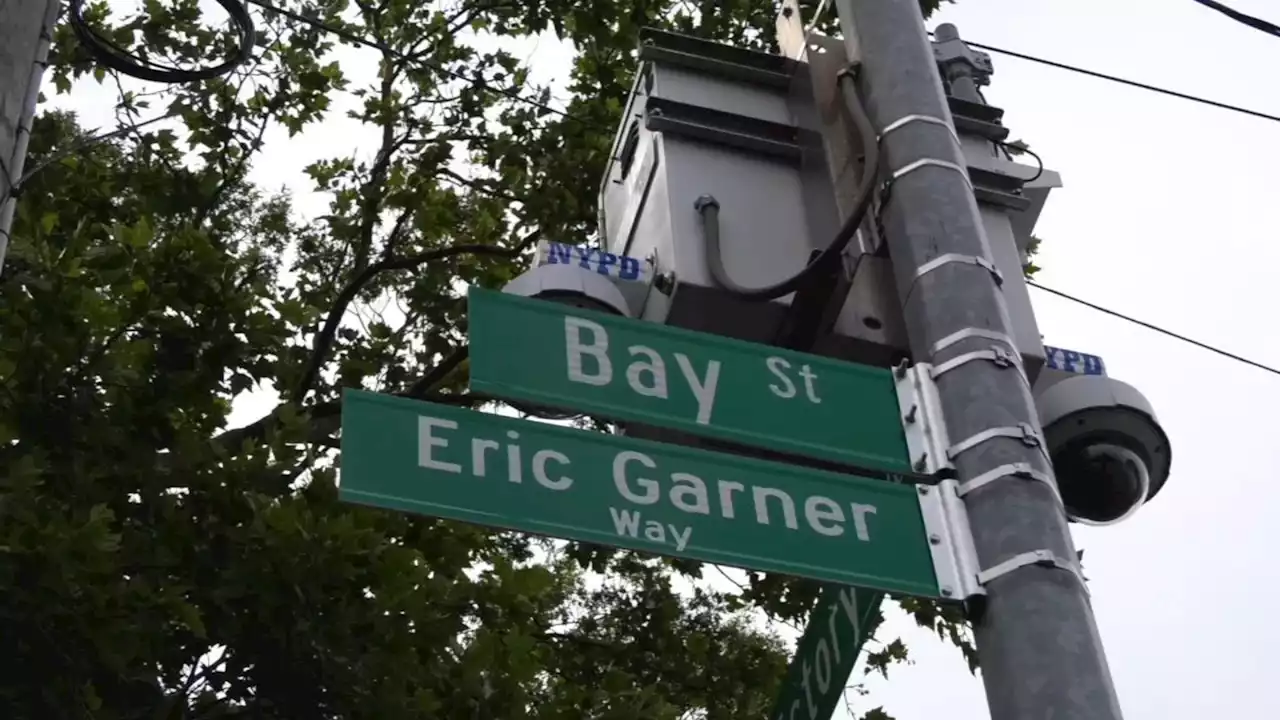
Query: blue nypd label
x: 1073, y: 362
x: 622, y: 267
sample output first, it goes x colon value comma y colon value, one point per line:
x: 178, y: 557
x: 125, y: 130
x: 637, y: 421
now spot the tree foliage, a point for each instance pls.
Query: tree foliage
x: 159, y: 564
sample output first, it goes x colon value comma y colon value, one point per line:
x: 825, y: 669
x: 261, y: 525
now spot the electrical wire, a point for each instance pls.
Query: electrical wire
x: 1011, y: 149
x: 1251, y: 21
x: 111, y: 55
x: 1130, y: 83
x: 87, y: 143
x: 709, y: 209
x: 316, y: 24
x: 1156, y: 328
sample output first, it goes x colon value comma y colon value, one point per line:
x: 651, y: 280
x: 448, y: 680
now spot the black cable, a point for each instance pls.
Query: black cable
x: 1149, y: 326
x: 1015, y: 148
x: 373, y: 44
x: 107, y: 53
x: 1130, y: 83
x: 480, y: 83
x: 1251, y: 21
x: 709, y: 209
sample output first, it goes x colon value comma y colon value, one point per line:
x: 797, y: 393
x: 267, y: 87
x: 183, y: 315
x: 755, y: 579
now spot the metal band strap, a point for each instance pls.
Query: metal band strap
x: 967, y: 333
x: 908, y: 119
x: 1042, y: 558
x: 1021, y: 471
x: 926, y: 162
x: 1022, y: 431
x: 949, y: 258
x: 999, y: 356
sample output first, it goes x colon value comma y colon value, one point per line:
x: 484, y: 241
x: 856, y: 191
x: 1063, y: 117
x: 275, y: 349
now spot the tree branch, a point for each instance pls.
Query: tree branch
x: 479, y: 185
x: 324, y: 339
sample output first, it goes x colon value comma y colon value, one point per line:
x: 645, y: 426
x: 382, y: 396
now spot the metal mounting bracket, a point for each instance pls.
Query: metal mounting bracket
x: 1042, y: 558
x: 908, y: 119
x: 1017, y: 471
x: 949, y: 258
x: 922, y: 421
x: 968, y: 333
x: 930, y: 162
x: 1000, y: 357
x: 946, y: 522
x: 1021, y: 431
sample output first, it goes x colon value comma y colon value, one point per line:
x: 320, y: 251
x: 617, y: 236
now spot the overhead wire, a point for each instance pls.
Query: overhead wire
x: 316, y: 24
x: 1249, y: 20
x: 1155, y: 328
x: 109, y: 54
x: 1131, y: 83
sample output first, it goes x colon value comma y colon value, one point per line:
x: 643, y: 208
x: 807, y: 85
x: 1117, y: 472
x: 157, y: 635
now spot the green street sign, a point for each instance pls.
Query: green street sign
x: 566, y: 357
x: 612, y: 490
x: 838, y: 628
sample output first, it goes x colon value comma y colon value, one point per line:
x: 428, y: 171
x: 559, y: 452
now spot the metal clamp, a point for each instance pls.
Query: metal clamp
x: 949, y: 258
x: 946, y: 523
x: 999, y: 356
x: 1021, y: 431
x: 922, y: 421
x: 908, y: 119
x: 1021, y: 471
x: 1042, y: 558
x: 927, y: 162
x: 967, y: 333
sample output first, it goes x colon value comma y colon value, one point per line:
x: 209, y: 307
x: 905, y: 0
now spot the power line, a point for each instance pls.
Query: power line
x: 1156, y: 328
x: 1130, y: 83
x: 1251, y: 21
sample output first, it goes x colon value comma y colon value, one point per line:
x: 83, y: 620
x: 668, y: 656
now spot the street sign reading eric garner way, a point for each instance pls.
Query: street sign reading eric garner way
x: 623, y: 369
x: 612, y: 490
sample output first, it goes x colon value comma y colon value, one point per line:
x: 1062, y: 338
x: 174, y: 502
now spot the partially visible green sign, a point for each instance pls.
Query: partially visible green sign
x: 612, y: 490
x: 839, y: 627
x: 566, y: 357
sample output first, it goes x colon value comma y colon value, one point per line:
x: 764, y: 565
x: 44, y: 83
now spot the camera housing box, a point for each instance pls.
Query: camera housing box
x: 1110, y: 455
x: 766, y: 135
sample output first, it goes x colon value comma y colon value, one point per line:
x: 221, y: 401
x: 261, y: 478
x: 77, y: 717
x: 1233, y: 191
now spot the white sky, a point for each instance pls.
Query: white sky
x: 1164, y: 217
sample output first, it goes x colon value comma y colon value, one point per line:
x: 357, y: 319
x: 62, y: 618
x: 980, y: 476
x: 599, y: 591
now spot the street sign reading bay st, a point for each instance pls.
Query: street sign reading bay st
x: 623, y: 369
x: 612, y: 490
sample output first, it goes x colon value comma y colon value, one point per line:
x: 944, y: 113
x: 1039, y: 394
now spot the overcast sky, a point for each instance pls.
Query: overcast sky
x: 1166, y: 214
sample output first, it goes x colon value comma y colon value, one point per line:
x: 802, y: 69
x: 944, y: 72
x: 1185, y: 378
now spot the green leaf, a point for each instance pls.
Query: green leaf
x: 190, y: 617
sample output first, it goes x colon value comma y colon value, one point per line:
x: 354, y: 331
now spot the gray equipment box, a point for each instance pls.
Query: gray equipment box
x: 705, y: 118
x: 763, y: 134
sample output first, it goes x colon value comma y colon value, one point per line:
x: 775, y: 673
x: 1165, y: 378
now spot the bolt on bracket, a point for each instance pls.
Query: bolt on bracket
x: 1000, y: 357
x: 946, y: 524
x: 920, y: 410
x: 1017, y: 471
x: 1042, y: 558
x: 1021, y: 431
x: 949, y: 258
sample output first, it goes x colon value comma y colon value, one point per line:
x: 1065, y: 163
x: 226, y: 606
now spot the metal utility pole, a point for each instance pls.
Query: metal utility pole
x: 26, y: 30
x: 1037, y: 640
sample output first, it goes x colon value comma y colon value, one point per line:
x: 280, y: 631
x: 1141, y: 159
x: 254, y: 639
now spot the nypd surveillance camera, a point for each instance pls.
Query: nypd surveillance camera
x: 1109, y: 453
x: 584, y: 277
x: 581, y: 277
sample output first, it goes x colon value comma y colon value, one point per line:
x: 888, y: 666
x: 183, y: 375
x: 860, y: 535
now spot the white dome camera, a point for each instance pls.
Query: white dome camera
x: 572, y: 285
x: 1109, y: 453
x: 574, y: 276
